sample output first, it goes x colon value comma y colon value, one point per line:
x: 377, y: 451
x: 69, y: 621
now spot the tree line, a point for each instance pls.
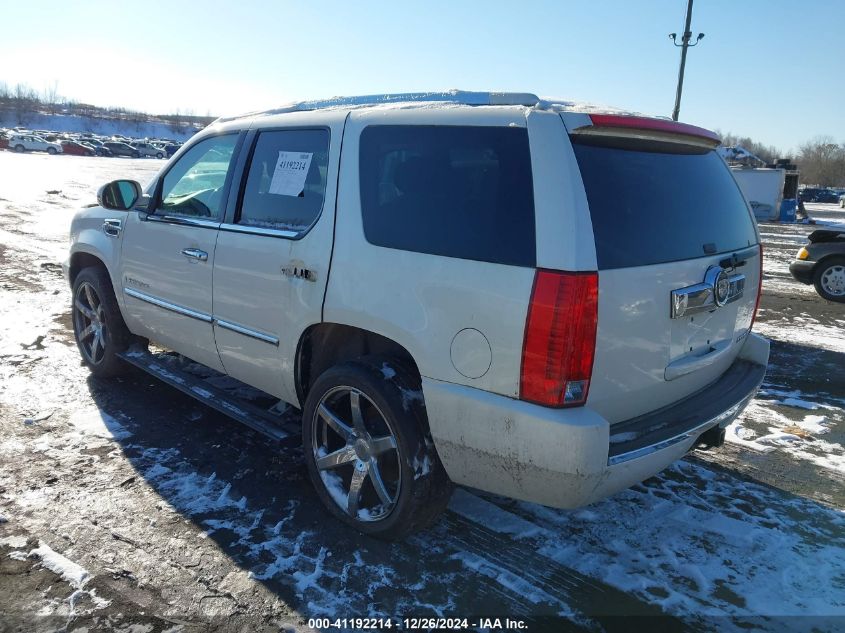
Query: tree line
x: 21, y: 103
x: 820, y: 160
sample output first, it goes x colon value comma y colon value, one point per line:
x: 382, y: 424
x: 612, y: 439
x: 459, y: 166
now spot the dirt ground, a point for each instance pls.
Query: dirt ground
x: 127, y: 506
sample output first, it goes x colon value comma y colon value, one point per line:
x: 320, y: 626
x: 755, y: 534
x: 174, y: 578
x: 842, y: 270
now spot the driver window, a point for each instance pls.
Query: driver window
x: 193, y: 187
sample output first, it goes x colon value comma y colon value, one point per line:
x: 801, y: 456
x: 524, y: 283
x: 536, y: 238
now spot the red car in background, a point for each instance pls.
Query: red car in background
x: 77, y: 149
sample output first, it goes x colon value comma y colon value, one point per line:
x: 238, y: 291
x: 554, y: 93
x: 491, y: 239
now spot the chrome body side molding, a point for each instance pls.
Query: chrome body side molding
x: 200, y: 316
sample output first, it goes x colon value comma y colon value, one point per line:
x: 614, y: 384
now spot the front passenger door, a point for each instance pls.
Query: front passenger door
x: 167, y: 256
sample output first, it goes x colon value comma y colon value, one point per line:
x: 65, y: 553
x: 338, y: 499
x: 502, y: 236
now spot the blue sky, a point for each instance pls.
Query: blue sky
x: 769, y: 69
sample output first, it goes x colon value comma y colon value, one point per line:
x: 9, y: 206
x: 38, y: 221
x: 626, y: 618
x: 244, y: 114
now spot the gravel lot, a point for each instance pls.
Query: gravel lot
x: 127, y: 506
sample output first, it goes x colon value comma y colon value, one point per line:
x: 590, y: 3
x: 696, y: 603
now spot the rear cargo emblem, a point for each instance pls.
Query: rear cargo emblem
x: 718, y: 289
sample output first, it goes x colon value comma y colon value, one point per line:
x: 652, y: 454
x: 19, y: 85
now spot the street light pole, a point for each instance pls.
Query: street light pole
x: 684, y: 45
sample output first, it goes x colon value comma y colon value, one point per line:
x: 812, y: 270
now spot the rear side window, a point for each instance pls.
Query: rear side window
x: 456, y: 191
x: 286, y: 185
x: 650, y: 207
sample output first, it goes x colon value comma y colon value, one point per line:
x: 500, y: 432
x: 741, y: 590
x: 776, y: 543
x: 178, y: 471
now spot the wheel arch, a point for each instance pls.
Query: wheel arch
x: 822, y: 261
x: 324, y: 345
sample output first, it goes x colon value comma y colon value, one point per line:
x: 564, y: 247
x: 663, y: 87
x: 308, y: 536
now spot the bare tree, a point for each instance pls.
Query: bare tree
x: 51, y: 97
x: 767, y: 153
x: 822, y: 162
x: 176, y: 122
x: 24, y: 103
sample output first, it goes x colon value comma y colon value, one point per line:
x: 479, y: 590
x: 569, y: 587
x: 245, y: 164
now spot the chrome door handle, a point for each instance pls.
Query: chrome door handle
x: 195, y: 253
x: 112, y: 227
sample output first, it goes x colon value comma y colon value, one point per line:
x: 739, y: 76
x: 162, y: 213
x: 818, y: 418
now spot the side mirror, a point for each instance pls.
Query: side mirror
x: 119, y: 195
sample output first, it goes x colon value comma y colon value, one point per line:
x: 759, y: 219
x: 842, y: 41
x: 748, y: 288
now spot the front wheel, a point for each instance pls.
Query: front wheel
x: 98, y: 326
x: 159, y: 155
x: 829, y: 279
x: 367, y: 450
x: 19, y: 149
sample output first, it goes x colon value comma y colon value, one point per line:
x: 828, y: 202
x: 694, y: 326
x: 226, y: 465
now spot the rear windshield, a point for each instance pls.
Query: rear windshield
x: 650, y: 207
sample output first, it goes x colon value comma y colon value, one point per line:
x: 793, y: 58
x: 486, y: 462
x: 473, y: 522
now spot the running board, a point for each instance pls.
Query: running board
x: 244, y: 412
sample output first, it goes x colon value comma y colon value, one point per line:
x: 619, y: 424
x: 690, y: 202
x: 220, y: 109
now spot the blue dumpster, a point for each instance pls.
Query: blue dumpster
x: 787, y: 209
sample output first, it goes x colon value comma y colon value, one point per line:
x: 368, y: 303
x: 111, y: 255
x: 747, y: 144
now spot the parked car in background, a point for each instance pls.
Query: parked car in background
x: 122, y: 149
x: 77, y: 149
x: 821, y: 262
x: 171, y: 149
x: 489, y: 296
x: 98, y: 146
x: 826, y: 195
x: 148, y: 149
x: 32, y: 143
x: 808, y: 194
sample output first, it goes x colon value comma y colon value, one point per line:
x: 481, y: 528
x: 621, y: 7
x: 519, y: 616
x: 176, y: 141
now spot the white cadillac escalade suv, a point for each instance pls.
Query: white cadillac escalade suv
x: 484, y: 289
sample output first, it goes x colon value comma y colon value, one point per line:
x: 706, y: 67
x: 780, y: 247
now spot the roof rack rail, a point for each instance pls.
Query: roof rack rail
x: 462, y: 97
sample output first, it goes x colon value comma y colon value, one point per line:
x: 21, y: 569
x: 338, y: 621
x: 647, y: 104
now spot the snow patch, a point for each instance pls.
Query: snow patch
x: 75, y: 575
x: 98, y: 423
x: 484, y: 513
x: 409, y: 397
x: 387, y: 371
x: 16, y: 542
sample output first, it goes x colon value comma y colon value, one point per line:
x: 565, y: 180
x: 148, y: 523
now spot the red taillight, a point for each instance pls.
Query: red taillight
x: 560, y: 339
x: 759, y: 289
x: 658, y: 125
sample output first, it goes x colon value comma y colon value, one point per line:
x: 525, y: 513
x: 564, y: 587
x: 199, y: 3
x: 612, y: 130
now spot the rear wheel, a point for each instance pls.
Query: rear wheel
x: 829, y: 279
x: 159, y: 155
x: 368, y: 454
x: 98, y: 326
x: 51, y: 151
x: 19, y: 149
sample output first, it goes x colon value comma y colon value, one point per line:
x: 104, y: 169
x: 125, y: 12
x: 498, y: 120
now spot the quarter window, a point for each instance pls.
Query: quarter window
x: 286, y: 185
x: 194, y: 186
x: 456, y: 191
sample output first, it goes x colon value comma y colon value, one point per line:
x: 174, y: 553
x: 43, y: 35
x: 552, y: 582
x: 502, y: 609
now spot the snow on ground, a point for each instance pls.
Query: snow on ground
x: 700, y: 542
x: 804, y: 331
x: 69, y: 571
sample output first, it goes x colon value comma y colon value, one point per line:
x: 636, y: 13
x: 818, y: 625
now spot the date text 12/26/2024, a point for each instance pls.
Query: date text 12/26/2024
x: 418, y: 624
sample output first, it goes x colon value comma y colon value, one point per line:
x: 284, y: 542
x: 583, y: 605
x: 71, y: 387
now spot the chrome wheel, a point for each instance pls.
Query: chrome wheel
x: 833, y: 280
x: 356, y: 454
x: 89, y: 322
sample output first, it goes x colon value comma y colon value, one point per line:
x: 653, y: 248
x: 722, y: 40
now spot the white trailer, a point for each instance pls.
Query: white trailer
x: 763, y: 188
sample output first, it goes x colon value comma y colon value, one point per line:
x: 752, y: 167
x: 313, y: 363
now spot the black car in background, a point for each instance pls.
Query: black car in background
x: 122, y: 149
x: 821, y: 262
x: 826, y: 195
x: 810, y: 194
x: 172, y: 148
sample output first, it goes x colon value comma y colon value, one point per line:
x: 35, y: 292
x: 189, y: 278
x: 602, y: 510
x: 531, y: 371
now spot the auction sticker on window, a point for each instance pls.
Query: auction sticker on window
x: 289, y: 175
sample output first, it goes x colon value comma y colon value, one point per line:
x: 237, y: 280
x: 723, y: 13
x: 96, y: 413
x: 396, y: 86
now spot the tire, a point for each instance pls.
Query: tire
x: 159, y: 155
x: 19, y: 149
x: 98, y: 326
x: 51, y: 151
x: 136, y: 154
x: 388, y: 444
x: 829, y: 279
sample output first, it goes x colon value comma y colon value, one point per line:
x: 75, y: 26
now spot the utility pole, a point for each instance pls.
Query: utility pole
x: 684, y: 45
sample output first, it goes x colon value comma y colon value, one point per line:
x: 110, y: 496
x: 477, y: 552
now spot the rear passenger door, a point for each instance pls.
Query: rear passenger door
x: 273, y: 250
x: 435, y: 244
